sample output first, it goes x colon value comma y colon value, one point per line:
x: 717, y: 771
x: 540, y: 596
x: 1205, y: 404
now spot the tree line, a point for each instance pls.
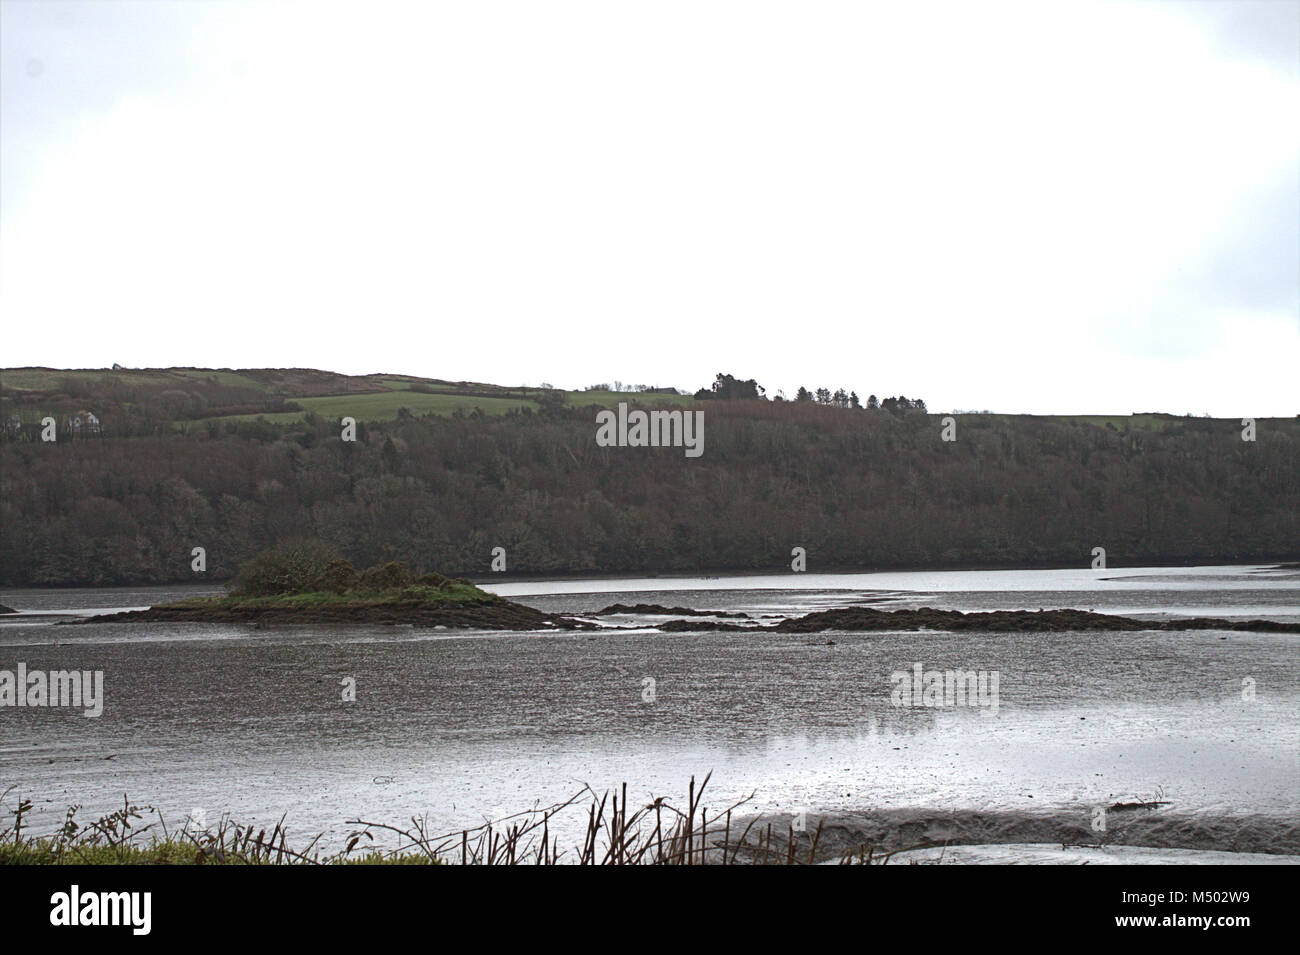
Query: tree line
x: 729, y: 388
x: 856, y: 490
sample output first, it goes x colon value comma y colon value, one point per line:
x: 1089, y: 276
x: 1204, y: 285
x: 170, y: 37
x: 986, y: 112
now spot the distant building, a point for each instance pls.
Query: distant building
x: 83, y: 422
x: 14, y: 425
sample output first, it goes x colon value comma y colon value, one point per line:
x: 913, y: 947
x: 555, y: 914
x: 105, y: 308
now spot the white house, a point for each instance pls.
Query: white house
x: 83, y: 422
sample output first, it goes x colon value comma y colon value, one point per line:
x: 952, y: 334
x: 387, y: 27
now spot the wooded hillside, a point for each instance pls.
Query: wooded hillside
x: 857, y: 488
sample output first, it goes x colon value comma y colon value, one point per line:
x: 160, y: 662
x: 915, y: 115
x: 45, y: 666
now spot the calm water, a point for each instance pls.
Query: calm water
x: 461, y: 726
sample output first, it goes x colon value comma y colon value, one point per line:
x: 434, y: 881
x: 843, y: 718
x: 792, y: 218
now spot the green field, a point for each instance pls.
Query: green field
x: 377, y: 397
x: 382, y: 406
x: 52, y: 379
x: 610, y: 399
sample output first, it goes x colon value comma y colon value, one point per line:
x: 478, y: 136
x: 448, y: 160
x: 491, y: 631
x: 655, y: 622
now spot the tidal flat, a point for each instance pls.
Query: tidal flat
x: 1193, y: 734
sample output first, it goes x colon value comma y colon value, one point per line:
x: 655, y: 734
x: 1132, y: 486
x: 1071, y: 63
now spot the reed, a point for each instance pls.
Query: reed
x: 616, y: 833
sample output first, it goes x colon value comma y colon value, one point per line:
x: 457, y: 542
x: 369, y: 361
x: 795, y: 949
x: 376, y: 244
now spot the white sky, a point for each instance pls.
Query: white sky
x: 1041, y: 207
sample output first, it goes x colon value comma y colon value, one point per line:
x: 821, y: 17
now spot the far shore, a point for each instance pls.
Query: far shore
x: 1287, y: 562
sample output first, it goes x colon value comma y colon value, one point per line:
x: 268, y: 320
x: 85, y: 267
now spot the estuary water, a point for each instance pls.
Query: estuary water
x: 457, y: 727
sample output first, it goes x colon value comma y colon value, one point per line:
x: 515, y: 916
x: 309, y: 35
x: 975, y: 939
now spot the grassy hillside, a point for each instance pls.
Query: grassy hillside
x: 384, y: 406
x: 284, y: 396
x: 281, y: 396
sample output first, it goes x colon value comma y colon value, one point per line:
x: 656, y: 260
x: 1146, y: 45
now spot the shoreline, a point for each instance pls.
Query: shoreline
x: 1286, y: 562
x: 502, y: 614
x: 1129, y: 834
x: 484, y: 614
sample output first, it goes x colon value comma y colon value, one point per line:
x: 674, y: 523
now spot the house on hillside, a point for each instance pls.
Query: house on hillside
x: 83, y: 422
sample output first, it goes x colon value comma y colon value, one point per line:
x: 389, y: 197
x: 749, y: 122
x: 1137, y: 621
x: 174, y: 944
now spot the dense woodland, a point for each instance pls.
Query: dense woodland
x: 858, y: 488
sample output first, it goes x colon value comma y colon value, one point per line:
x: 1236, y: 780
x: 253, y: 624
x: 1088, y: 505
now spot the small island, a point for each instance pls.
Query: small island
x: 308, y: 582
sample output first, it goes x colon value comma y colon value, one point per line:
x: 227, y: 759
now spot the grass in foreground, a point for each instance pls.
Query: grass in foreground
x: 657, y: 833
x: 127, y: 836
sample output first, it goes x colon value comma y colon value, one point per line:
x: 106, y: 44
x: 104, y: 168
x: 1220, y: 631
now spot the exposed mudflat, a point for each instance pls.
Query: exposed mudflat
x: 1036, y: 854
x: 501, y: 614
x: 1185, y: 738
x: 866, y: 619
x: 660, y: 610
x: 1066, y: 836
x: 475, y: 615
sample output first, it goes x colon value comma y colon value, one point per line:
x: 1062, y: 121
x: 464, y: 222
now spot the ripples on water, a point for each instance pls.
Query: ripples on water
x: 462, y: 726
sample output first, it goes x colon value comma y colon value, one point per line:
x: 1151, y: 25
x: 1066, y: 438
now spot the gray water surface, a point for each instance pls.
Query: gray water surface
x: 462, y: 726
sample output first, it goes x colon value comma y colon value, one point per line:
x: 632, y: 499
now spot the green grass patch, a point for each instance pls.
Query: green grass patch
x: 383, y: 406
x: 611, y: 399
x: 52, y: 379
x: 177, y: 851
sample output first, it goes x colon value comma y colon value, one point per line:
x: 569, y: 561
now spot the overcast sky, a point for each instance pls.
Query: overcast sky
x: 1044, y: 207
